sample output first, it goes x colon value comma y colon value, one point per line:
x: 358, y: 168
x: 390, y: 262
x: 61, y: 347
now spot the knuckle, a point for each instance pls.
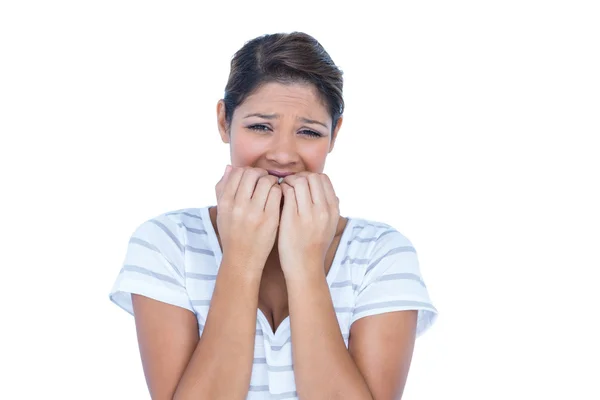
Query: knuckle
x: 237, y: 210
x: 323, y: 214
x: 254, y: 217
x: 244, y: 170
x: 268, y: 178
x: 254, y: 173
x: 225, y: 203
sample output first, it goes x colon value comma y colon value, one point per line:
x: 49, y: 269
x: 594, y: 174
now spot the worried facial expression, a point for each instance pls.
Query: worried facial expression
x: 283, y: 128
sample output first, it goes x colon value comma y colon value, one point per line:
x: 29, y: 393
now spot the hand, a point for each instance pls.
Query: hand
x: 248, y: 212
x: 308, y: 223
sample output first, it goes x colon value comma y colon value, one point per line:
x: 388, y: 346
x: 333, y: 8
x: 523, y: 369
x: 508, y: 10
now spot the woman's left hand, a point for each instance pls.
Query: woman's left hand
x: 309, y: 220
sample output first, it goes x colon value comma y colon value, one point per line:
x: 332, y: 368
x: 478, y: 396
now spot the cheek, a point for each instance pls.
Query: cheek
x: 244, y: 150
x: 314, y: 158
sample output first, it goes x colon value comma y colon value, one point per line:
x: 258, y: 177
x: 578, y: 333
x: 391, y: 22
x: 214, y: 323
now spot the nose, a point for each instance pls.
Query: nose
x: 282, y: 149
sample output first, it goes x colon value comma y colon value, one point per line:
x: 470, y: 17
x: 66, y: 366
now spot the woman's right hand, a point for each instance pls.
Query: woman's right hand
x: 248, y: 208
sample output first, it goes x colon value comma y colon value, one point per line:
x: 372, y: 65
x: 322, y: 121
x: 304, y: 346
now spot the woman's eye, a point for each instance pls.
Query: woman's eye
x: 311, y: 133
x: 264, y: 128
x: 258, y: 127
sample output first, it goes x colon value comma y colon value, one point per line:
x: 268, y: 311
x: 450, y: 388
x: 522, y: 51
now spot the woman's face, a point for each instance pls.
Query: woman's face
x: 281, y: 127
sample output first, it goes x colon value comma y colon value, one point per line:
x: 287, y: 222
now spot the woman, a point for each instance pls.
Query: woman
x: 271, y: 293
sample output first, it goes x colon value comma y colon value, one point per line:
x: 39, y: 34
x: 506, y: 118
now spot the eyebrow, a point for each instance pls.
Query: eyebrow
x: 275, y: 116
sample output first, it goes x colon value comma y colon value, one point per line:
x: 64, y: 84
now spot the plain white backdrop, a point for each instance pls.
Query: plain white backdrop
x: 471, y: 126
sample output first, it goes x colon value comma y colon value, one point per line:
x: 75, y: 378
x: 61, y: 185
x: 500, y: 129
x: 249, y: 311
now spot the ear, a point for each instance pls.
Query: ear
x: 335, y: 133
x: 222, y: 121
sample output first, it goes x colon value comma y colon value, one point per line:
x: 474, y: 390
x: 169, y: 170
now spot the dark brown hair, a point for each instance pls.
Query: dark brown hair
x: 284, y: 58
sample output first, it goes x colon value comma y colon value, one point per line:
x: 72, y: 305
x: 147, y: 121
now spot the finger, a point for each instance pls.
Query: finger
x: 231, y: 186
x: 290, y: 205
x: 222, y: 182
x: 302, y: 173
x: 317, y: 191
x: 301, y: 193
x: 272, y: 206
x: 330, y: 195
x: 248, y: 183
x: 263, y: 188
x: 291, y: 178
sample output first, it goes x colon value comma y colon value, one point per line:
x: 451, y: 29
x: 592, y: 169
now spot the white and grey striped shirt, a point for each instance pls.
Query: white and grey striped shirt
x: 174, y: 258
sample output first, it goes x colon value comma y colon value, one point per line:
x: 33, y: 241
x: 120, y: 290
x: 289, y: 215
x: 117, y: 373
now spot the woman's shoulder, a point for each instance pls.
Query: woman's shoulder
x: 376, y: 231
x: 187, y: 216
x: 174, y: 225
x: 183, y: 218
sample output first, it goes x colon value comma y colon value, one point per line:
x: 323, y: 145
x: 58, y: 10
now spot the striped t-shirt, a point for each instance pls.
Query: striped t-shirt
x: 174, y: 258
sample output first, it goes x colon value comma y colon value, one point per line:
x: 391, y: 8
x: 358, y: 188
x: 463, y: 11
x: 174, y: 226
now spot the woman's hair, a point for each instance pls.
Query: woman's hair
x: 285, y: 58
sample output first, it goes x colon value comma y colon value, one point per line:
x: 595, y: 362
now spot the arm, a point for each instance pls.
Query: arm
x: 381, y: 345
x: 380, y: 348
x: 218, y: 366
x: 323, y: 368
x: 178, y: 365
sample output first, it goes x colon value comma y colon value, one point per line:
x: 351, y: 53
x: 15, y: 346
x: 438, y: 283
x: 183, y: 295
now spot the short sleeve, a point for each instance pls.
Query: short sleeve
x: 393, y: 282
x: 154, y: 266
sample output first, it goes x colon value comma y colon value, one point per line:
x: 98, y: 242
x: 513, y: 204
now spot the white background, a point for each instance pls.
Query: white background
x: 471, y: 126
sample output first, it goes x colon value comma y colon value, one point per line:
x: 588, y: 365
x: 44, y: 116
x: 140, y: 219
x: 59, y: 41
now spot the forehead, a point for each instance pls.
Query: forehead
x: 275, y: 97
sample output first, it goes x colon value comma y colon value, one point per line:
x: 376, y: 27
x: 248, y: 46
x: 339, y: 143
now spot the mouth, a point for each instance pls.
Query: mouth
x: 279, y: 174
